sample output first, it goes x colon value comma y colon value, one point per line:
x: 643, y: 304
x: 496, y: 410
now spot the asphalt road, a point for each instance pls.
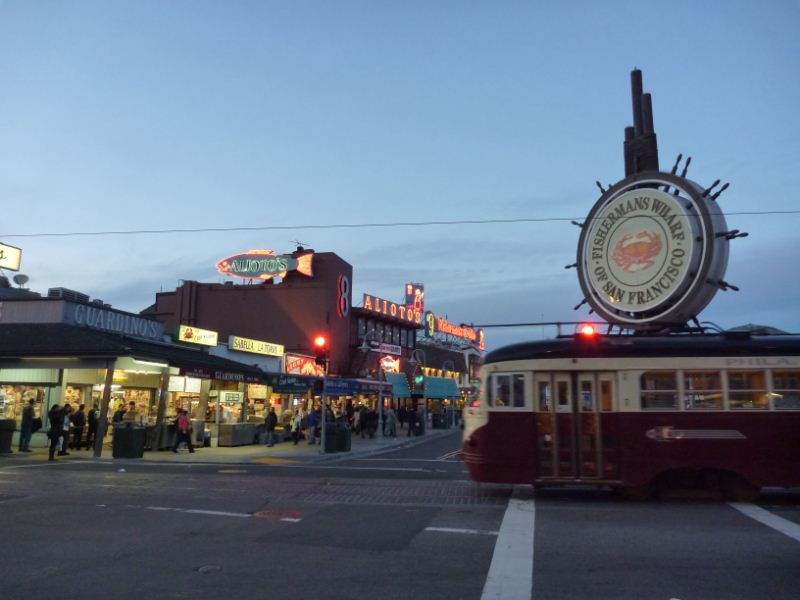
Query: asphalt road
x: 405, y: 524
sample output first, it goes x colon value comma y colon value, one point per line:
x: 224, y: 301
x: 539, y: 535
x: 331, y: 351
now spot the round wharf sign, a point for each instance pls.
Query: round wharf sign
x: 649, y: 255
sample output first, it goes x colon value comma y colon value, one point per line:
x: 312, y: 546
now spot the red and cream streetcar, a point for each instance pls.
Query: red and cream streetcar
x: 710, y: 411
x: 662, y: 403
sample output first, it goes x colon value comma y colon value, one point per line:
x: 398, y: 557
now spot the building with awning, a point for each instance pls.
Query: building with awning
x: 441, y: 388
x: 399, y: 382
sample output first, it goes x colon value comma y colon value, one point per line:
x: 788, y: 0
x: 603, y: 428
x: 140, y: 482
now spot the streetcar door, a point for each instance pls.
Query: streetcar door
x: 544, y: 408
x: 565, y: 425
x: 595, y: 395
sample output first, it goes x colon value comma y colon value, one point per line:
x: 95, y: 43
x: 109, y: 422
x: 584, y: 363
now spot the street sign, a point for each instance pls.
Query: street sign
x: 10, y: 257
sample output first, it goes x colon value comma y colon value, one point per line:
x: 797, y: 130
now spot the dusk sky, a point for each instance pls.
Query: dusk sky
x: 153, y: 115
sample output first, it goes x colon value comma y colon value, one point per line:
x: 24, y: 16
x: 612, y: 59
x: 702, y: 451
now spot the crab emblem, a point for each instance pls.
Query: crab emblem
x: 636, y: 253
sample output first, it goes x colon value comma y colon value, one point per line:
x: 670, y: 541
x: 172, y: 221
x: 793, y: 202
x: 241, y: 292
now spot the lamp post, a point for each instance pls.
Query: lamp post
x: 418, y: 358
x: 365, y: 347
x: 452, y: 366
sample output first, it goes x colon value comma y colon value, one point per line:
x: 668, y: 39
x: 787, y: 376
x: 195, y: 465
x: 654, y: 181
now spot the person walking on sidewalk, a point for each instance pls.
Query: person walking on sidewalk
x: 26, y: 427
x: 92, y: 432
x: 296, y: 426
x: 56, y: 418
x: 78, y: 422
x: 391, y: 423
x: 402, y: 414
x: 271, y: 422
x: 411, y: 415
x: 184, y: 431
x: 313, y: 424
x: 63, y: 443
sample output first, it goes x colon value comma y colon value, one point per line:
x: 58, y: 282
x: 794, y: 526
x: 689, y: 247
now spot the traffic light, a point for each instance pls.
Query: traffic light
x: 419, y: 382
x: 321, y: 349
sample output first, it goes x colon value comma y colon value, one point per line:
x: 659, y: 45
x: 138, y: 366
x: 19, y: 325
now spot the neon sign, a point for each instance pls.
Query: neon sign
x: 415, y: 296
x: 391, y: 309
x: 390, y: 364
x: 265, y: 264
x: 436, y: 324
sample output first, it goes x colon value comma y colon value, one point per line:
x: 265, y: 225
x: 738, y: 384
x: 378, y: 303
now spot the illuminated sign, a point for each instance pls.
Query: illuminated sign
x: 390, y: 364
x: 255, y: 346
x: 391, y: 309
x: 303, y: 365
x: 195, y: 335
x: 10, y: 257
x: 436, y: 324
x: 265, y: 264
x: 415, y: 296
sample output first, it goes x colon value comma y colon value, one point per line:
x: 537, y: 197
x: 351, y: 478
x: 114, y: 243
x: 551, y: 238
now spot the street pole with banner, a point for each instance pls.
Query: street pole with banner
x: 323, y: 409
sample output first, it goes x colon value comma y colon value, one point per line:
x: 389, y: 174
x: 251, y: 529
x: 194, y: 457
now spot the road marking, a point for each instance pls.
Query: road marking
x: 511, y: 572
x: 468, y: 531
x: 232, y: 471
x: 268, y: 460
x: 449, y: 455
x: 765, y: 517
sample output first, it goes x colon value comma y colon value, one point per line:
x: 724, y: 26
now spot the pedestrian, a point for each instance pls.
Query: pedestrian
x: 92, y: 432
x: 63, y: 443
x: 411, y: 415
x: 26, y: 427
x: 56, y: 418
x: 313, y: 424
x: 270, y: 423
x: 391, y: 422
x: 78, y: 422
x: 132, y: 414
x: 119, y: 414
x: 349, y: 411
x: 296, y: 425
x: 356, y: 426
x: 402, y: 414
x: 183, y: 428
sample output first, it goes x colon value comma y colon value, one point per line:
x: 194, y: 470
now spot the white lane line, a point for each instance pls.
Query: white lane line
x: 511, y: 572
x: 765, y: 517
x: 468, y: 531
x: 197, y: 511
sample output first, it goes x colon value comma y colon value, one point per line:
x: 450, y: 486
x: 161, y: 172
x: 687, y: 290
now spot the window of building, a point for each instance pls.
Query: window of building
x: 362, y: 327
x: 508, y: 390
x: 702, y: 390
x: 786, y: 389
x: 396, y: 335
x: 403, y: 337
x: 659, y: 390
x: 747, y: 390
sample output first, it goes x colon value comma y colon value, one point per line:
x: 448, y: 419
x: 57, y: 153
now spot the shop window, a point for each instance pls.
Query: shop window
x: 508, y: 390
x: 13, y: 399
x: 702, y: 390
x: 747, y: 390
x: 659, y: 390
x: 786, y: 389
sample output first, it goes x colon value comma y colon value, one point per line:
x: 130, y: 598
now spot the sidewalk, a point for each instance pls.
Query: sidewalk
x: 282, y: 453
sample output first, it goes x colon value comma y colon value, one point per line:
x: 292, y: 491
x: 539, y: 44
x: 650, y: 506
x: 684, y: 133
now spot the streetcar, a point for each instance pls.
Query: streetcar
x: 717, y: 413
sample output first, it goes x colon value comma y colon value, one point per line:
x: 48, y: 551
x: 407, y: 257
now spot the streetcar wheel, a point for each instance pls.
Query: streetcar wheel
x: 640, y: 493
x: 737, y: 489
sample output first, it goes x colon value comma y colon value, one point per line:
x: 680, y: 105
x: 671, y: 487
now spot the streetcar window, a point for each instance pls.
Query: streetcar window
x: 562, y: 396
x: 606, y: 399
x: 786, y: 386
x: 508, y: 390
x: 702, y: 389
x: 587, y: 397
x: 545, y: 396
x: 747, y: 390
x: 659, y: 390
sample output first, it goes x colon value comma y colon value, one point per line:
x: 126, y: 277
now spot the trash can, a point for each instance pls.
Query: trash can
x: 7, y: 427
x: 330, y: 437
x: 342, y: 437
x: 128, y: 441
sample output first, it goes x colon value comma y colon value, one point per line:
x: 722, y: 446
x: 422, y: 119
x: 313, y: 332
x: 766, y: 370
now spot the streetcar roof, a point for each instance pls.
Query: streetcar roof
x: 600, y: 346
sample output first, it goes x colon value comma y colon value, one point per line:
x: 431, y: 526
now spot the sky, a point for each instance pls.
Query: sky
x: 151, y: 115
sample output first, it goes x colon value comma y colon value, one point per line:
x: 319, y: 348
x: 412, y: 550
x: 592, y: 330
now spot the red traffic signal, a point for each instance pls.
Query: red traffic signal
x: 321, y: 349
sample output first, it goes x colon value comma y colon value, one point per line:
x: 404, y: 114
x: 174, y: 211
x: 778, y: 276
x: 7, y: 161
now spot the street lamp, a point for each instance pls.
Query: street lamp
x: 452, y: 366
x: 418, y: 358
x: 365, y: 347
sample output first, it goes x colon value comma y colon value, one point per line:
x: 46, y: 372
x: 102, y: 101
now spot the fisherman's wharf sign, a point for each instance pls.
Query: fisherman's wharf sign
x: 647, y: 256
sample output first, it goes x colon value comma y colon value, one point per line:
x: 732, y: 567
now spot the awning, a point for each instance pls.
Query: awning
x: 282, y: 383
x: 336, y: 386
x: 441, y: 387
x: 399, y: 385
